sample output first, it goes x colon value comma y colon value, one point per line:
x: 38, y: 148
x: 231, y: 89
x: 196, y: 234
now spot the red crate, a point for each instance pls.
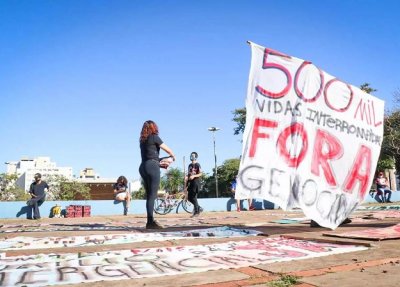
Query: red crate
x: 70, y: 214
x: 86, y: 210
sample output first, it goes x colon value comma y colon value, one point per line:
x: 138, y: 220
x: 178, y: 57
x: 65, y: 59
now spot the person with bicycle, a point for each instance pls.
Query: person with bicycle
x: 150, y: 144
x: 192, y: 182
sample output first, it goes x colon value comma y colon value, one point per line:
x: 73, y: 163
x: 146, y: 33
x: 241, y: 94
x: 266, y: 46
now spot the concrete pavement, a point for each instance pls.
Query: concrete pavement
x: 377, y: 266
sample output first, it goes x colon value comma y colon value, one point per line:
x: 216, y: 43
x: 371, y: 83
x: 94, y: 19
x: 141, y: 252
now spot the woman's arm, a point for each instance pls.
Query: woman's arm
x: 167, y: 150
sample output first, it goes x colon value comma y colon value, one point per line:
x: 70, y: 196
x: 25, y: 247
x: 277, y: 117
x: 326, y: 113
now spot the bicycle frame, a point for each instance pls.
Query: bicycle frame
x: 163, y: 206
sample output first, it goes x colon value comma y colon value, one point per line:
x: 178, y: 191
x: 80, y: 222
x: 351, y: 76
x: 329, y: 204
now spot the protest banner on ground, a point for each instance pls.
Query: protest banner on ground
x: 311, y: 140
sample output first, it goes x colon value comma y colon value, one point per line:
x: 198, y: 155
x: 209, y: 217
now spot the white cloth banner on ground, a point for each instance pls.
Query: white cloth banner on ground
x: 311, y: 140
x: 78, y: 268
x: 24, y: 242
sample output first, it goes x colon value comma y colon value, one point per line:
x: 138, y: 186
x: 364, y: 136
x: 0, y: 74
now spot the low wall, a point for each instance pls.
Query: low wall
x: 18, y: 209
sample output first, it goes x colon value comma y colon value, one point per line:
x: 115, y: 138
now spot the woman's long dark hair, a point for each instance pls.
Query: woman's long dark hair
x: 122, y: 179
x: 149, y: 128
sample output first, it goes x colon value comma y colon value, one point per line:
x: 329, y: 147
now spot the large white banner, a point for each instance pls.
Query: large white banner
x: 83, y: 267
x: 311, y: 140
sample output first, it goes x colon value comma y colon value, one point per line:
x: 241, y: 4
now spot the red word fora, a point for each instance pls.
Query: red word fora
x: 326, y: 148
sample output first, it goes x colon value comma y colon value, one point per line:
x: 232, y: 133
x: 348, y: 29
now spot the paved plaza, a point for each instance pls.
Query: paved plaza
x: 248, y: 248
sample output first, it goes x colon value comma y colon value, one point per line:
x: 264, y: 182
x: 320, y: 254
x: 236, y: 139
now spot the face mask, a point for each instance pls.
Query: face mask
x: 192, y: 157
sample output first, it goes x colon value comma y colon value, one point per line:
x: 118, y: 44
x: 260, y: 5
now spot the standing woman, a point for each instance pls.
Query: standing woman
x: 150, y: 144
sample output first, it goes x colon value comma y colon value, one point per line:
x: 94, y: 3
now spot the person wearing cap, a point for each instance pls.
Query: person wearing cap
x: 37, y: 191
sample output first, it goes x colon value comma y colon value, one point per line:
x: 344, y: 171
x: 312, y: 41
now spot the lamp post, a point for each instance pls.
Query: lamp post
x: 213, y: 130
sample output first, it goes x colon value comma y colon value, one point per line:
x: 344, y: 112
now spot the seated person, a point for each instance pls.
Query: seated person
x: 121, y: 192
x: 382, y: 187
x: 37, y: 191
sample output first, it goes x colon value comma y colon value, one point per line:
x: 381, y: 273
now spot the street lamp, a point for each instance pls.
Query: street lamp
x: 213, y: 130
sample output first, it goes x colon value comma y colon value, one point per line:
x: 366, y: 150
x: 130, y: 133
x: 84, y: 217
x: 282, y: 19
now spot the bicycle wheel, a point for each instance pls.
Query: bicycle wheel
x: 187, y: 206
x: 161, y: 207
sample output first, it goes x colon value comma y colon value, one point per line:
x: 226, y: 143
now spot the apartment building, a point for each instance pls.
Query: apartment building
x: 26, y: 168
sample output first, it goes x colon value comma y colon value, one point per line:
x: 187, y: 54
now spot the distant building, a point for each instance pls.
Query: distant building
x: 26, y: 168
x: 88, y: 173
x: 101, y: 188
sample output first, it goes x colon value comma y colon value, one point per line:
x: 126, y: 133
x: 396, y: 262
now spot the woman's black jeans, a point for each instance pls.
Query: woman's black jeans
x: 150, y: 172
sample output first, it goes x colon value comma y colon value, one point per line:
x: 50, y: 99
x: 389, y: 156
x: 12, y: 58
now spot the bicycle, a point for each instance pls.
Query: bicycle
x: 163, y: 206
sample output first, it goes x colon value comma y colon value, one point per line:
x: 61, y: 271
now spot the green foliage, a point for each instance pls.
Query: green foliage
x: 173, y: 180
x: 10, y: 191
x: 367, y: 88
x: 391, y: 139
x: 284, y: 281
x: 390, y: 150
x: 140, y: 194
x: 226, y: 173
x: 61, y: 188
x: 385, y: 163
x: 239, y: 117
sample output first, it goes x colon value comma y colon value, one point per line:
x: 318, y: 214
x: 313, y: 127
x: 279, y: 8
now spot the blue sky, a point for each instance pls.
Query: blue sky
x: 79, y: 78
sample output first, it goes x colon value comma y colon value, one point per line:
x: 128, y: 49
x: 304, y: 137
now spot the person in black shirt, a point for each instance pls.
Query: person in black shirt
x: 150, y: 144
x: 121, y: 192
x: 37, y: 191
x: 193, y: 182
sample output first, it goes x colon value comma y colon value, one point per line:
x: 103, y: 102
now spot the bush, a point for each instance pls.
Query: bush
x: 10, y: 191
x: 140, y: 194
x: 61, y: 188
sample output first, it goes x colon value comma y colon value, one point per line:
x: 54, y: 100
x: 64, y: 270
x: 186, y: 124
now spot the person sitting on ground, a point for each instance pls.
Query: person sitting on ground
x: 37, y: 191
x: 382, y: 187
x: 121, y: 193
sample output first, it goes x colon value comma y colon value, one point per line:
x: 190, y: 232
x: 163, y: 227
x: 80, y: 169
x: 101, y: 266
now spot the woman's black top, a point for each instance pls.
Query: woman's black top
x: 150, y: 148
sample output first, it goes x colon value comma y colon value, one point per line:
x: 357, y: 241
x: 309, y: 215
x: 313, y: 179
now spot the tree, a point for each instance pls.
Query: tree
x: 61, y: 188
x: 140, y: 194
x: 10, y: 191
x: 391, y: 139
x: 239, y: 117
x: 226, y: 173
x: 367, y: 88
x: 173, y: 180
